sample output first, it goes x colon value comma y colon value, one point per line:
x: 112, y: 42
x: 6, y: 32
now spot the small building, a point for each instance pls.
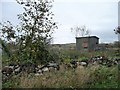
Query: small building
x: 87, y: 43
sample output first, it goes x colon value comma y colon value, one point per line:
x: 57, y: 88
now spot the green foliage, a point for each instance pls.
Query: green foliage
x: 105, y: 77
x: 106, y: 84
x: 5, y: 48
x: 83, y: 59
x: 67, y: 60
x: 55, y: 56
x: 71, y: 54
x: 31, y: 36
x: 10, y: 84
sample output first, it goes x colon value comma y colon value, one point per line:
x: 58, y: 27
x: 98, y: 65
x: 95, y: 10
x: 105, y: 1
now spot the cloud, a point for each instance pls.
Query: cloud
x: 0, y: 12
x: 10, y: 10
x: 100, y: 18
x: 8, y: 0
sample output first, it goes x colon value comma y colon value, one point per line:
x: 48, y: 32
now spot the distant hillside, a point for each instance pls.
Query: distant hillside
x: 72, y: 46
x: 68, y: 46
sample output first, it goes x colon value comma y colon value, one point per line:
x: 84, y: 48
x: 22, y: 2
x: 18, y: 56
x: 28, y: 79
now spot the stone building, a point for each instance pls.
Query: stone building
x: 87, y: 43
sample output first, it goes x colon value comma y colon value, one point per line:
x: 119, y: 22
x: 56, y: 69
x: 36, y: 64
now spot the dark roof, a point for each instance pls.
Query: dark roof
x: 87, y: 37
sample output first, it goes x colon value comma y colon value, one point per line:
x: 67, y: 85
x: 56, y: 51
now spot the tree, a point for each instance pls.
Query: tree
x: 31, y: 34
x: 80, y: 31
x: 117, y: 31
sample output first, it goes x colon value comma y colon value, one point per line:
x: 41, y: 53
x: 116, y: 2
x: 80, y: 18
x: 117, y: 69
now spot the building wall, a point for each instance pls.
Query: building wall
x: 78, y: 44
x: 93, y: 43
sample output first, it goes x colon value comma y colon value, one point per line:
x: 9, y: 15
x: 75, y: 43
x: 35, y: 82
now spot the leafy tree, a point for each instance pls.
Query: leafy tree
x: 31, y: 34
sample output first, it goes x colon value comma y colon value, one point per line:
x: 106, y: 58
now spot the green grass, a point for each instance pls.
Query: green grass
x: 106, y: 77
x: 96, y: 76
x: 90, y: 77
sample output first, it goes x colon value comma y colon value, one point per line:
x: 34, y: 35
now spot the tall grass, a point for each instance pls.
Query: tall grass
x: 91, y: 77
x: 95, y: 76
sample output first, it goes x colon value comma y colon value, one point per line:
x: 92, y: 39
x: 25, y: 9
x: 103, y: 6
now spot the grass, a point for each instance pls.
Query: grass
x: 105, y: 77
x: 90, y: 77
x: 96, y: 76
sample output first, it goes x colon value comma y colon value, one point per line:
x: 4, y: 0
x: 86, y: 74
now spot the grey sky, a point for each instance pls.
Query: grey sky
x: 100, y: 16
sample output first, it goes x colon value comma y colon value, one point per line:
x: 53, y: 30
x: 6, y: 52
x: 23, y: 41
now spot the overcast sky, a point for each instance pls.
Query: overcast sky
x: 100, y: 16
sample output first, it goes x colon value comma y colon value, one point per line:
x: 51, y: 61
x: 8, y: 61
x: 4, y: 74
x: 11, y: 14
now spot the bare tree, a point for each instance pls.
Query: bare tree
x: 80, y: 31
